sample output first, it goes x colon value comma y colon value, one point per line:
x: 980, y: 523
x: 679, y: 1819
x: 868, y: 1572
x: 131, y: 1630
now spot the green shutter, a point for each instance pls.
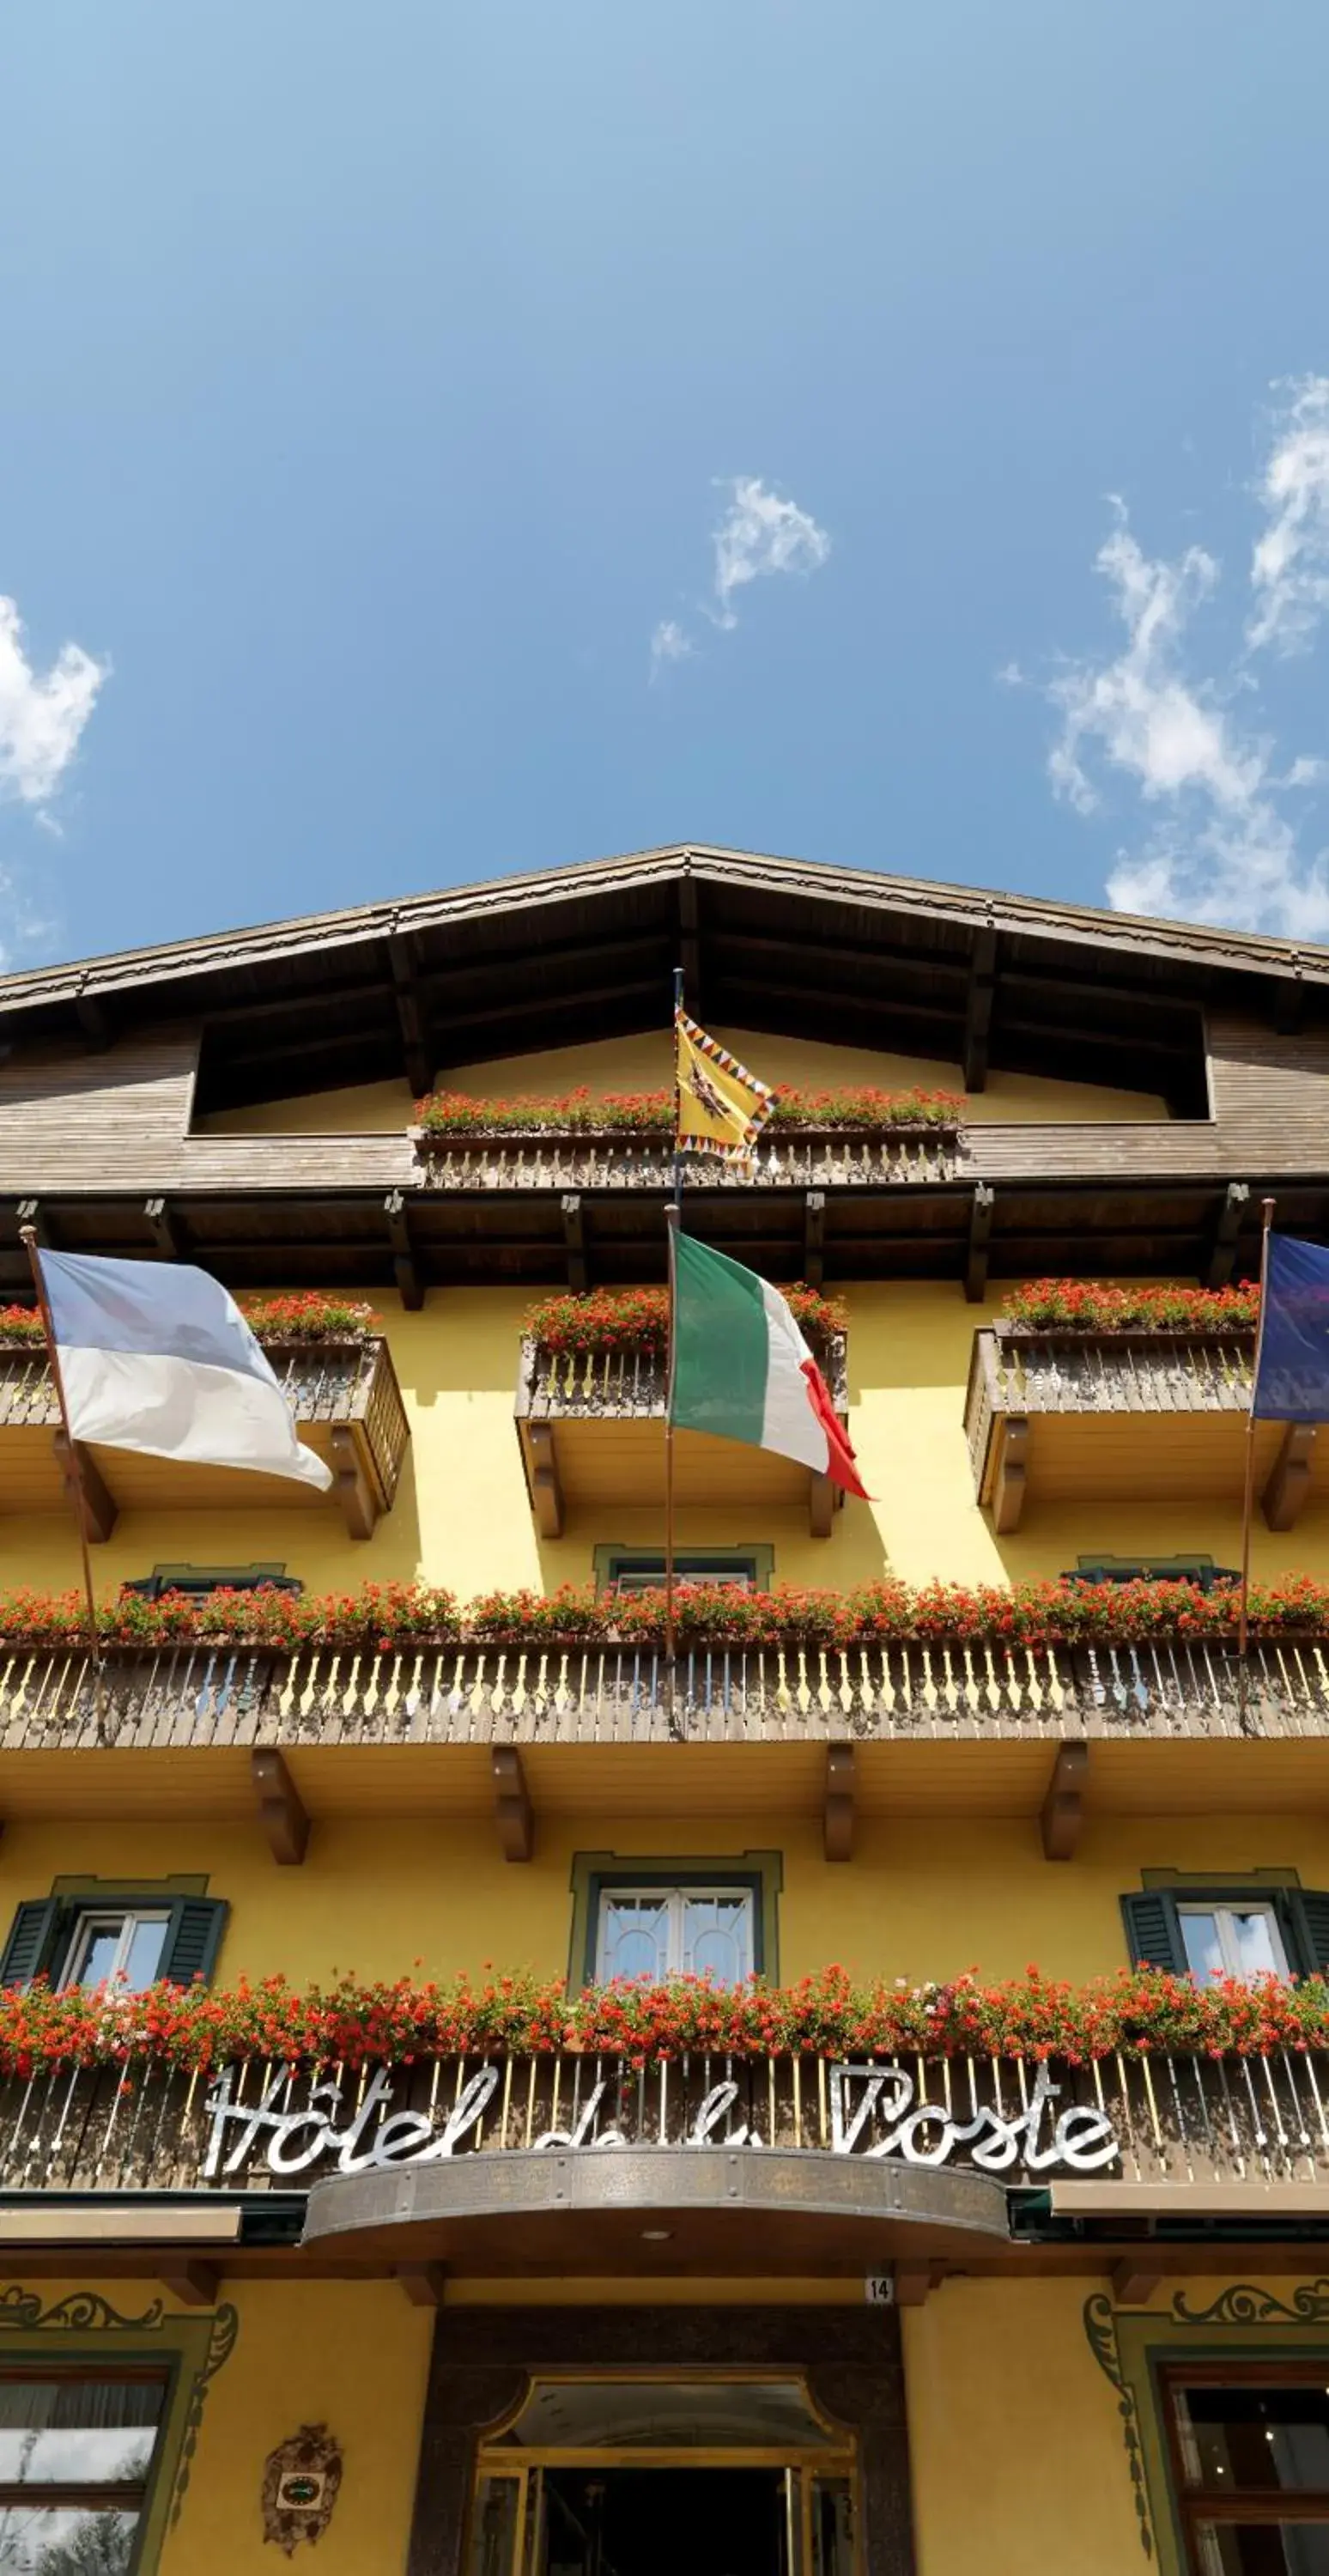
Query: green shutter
x: 1307, y: 1914
x: 1153, y: 1931
x: 32, y: 1940
x: 193, y: 1938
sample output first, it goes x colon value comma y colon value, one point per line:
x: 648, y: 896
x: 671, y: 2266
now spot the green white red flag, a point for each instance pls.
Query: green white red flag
x: 742, y: 1369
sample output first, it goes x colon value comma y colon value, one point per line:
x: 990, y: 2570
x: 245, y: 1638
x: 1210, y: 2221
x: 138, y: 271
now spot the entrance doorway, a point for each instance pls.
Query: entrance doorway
x: 656, y: 2522
x: 642, y: 2476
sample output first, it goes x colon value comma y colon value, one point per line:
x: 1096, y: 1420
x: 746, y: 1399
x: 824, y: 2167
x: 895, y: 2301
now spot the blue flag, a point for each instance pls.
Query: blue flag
x: 1292, y: 1381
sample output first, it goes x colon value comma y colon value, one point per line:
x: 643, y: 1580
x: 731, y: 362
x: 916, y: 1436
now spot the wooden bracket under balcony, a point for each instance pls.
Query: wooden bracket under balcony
x: 1010, y: 1473
x: 348, y: 1410
x: 1289, y: 1482
x: 1062, y: 1820
x: 591, y: 1427
x: 513, y: 1811
x: 838, y: 1805
x: 280, y: 1807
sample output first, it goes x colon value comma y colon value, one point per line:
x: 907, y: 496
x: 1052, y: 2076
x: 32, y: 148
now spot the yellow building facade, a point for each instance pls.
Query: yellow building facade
x: 523, y: 2298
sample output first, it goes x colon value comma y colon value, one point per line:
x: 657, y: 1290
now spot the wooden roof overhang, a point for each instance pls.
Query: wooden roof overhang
x: 983, y: 981
x: 1098, y: 1223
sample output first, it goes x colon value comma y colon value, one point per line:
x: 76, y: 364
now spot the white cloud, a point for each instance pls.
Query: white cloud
x: 1219, y: 844
x: 1290, y: 564
x: 42, y: 716
x: 669, y: 644
x: 758, y: 534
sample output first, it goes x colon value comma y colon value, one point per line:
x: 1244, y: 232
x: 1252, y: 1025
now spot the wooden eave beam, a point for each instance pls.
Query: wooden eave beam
x: 574, y: 1239
x: 281, y: 1809
x: 1062, y: 1820
x: 425, y: 2284
x: 912, y: 2284
x: 513, y: 1812
x: 838, y: 1803
x: 814, y: 1237
x: 412, y: 1013
x: 980, y: 1231
x: 194, y: 2284
x: 978, y: 1009
x: 689, y: 943
x: 163, y: 1226
x: 406, y: 1269
x: 94, y: 1020
x: 1134, y: 2280
x: 1223, y: 1252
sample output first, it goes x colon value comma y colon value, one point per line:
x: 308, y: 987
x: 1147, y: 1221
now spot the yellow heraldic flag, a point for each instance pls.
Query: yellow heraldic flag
x: 722, y: 1108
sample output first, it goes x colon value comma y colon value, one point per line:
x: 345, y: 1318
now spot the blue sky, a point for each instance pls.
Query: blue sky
x: 377, y: 383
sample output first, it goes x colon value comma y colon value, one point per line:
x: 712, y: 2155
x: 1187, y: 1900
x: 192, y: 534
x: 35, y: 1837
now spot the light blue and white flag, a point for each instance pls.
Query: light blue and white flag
x: 156, y: 1357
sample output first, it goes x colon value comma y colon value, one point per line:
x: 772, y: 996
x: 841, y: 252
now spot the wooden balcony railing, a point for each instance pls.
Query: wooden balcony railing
x: 206, y: 1695
x: 795, y: 1158
x: 346, y: 1402
x: 1054, y: 1416
x: 591, y: 1429
x: 1227, y: 2132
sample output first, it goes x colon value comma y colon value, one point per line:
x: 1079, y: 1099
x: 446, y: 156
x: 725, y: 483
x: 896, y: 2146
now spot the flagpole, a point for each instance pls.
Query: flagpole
x: 673, y: 1219
x: 28, y: 1238
x: 1248, y: 1498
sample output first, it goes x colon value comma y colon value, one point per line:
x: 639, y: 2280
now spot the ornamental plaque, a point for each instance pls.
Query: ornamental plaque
x: 300, y: 2482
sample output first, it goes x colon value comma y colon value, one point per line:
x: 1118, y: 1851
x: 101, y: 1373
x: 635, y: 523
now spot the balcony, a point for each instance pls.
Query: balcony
x: 591, y: 1428
x: 1055, y: 1417
x: 209, y: 1697
x: 495, y: 2161
x: 792, y: 1158
x: 347, y: 1406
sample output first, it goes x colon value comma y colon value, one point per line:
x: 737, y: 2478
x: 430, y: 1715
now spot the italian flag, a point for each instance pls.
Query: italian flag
x: 742, y: 1370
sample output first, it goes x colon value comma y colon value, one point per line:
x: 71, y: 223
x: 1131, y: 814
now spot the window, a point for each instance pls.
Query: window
x: 699, y: 1915
x: 1232, y: 1941
x: 1250, y: 2452
x: 661, y: 1932
x: 199, y: 1580
x: 76, y: 2455
x: 84, y: 1934
x: 126, y: 1946
x: 630, y: 1569
x: 1243, y: 1929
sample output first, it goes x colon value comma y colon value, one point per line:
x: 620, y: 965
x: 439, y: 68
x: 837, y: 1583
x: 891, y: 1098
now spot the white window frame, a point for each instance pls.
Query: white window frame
x: 1221, y: 1916
x: 94, y: 1919
x: 674, y: 1900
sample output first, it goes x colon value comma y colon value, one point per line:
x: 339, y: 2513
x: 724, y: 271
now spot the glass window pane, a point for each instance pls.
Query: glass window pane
x: 1263, y: 2548
x: 832, y: 2527
x: 1257, y: 1951
x: 75, y: 2432
x: 146, y: 1943
x: 1255, y: 2436
x: 95, y: 1954
x: 634, y: 1936
x: 493, y: 2528
x: 717, y: 1938
x: 66, y: 2540
x: 1204, y: 1949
